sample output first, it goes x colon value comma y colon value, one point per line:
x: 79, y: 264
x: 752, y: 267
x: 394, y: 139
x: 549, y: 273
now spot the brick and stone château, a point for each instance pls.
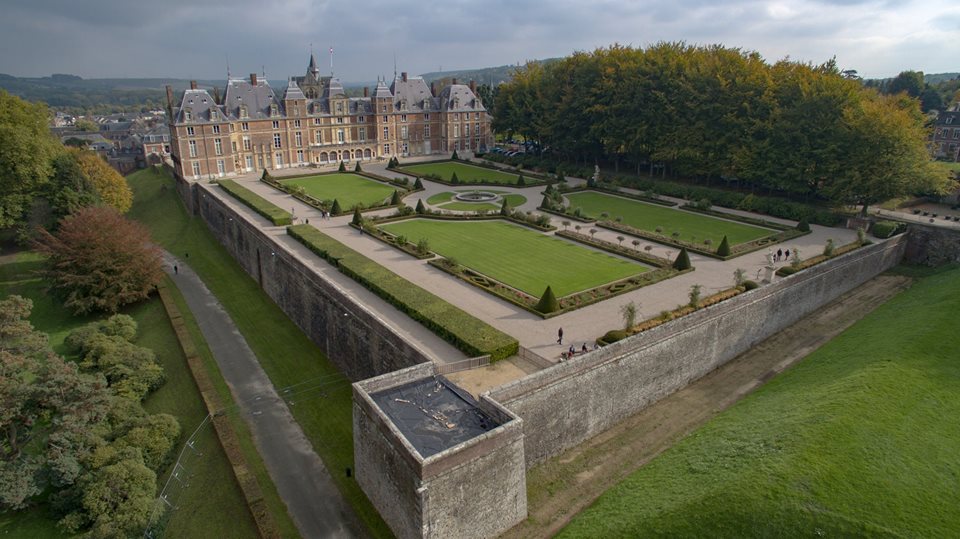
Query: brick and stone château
x: 255, y: 127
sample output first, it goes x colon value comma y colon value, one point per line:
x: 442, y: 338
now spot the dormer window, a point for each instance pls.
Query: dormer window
x: 274, y: 110
x: 243, y: 111
x: 339, y: 108
x: 187, y: 115
x: 949, y: 119
x: 403, y: 104
x: 213, y: 115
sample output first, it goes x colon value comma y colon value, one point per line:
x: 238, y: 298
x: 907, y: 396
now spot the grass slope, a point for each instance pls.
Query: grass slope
x: 517, y: 256
x: 465, y: 173
x: 323, y: 408
x: 860, y: 439
x: 348, y: 189
x: 691, y: 226
x: 215, y: 503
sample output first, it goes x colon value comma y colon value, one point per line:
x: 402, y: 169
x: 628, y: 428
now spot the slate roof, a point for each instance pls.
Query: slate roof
x: 458, y: 97
x: 293, y: 91
x: 257, y: 99
x: 414, y: 92
x: 200, y: 103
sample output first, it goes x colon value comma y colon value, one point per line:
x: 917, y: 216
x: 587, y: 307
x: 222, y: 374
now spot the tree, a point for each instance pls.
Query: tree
x: 454, y: 178
x: 100, y: 261
x: 520, y: 181
x: 395, y: 199
x: 109, y: 184
x: 266, y: 175
x: 695, y: 295
x: 68, y: 190
x: 629, y: 313
x: 335, y: 208
x: 546, y: 203
x: 739, y: 276
x: 87, y: 126
x: 45, y: 403
x: 107, y: 348
x: 342, y: 167
x: 418, y: 184
x: 357, y: 216
x: 421, y: 209
x: 683, y: 260
x: 117, y: 500
x: 724, y: 249
x: 357, y: 168
x: 504, y: 208
x: 455, y: 157
x: 566, y: 224
x: 910, y: 82
x: 620, y: 239
x: 548, y: 302
x: 26, y: 154
x: 636, y: 244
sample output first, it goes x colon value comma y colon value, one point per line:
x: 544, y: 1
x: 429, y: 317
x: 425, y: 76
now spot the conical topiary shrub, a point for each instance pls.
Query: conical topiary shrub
x: 421, y: 209
x: 343, y: 167
x: 418, y: 184
x: 357, y: 216
x: 504, y: 208
x: 266, y: 175
x: 455, y: 156
x: 335, y: 207
x: 454, y: 178
x: 546, y: 203
x: 357, y: 167
x: 803, y: 225
x: 520, y: 180
x: 683, y: 260
x: 548, y: 302
x: 395, y: 199
x: 724, y: 249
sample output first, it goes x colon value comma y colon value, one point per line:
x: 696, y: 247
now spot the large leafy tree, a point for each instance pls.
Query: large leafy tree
x: 111, y: 187
x: 26, y: 153
x: 100, y: 261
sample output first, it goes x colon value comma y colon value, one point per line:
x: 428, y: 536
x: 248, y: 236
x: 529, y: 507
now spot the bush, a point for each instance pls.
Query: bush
x: 421, y: 209
x: 520, y: 181
x: 343, y: 167
x: 614, y: 336
x: 750, y: 285
x: 885, y: 229
x: 357, y: 167
x: 455, y: 157
x: 335, y: 208
x: 724, y: 249
x: 418, y: 184
x: 683, y: 260
x: 454, y: 178
x: 474, y: 337
x: 99, y: 261
x: 257, y: 203
x: 548, y: 302
x: 395, y: 199
x: 357, y: 216
x: 803, y: 225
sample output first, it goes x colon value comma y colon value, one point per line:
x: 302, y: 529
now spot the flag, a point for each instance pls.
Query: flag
x: 331, y: 50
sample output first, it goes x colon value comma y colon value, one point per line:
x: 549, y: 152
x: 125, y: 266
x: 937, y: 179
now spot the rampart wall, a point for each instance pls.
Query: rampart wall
x: 571, y: 402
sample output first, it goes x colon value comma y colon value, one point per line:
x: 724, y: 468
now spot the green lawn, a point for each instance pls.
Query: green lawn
x: 691, y: 226
x: 860, y: 439
x: 465, y: 173
x: 513, y: 200
x: 517, y: 256
x: 214, y: 503
x: 288, y: 357
x: 348, y: 189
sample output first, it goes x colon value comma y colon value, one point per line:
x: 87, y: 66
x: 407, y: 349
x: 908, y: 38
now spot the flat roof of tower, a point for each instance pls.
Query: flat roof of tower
x: 433, y: 414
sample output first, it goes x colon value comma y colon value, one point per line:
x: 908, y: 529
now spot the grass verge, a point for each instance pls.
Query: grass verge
x: 348, y: 189
x: 257, y: 203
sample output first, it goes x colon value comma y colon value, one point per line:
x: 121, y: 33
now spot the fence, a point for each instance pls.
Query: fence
x: 463, y: 364
x: 535, y: 358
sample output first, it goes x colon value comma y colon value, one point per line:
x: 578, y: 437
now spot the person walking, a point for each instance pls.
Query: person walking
x: 779, y: 254
x: 175, y: 270
x: 560, y: 336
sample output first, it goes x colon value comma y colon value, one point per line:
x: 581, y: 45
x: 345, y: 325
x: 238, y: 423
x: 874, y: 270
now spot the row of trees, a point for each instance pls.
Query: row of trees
x: 713, y: 112
x: 77, y: 430
x: 41, y: 180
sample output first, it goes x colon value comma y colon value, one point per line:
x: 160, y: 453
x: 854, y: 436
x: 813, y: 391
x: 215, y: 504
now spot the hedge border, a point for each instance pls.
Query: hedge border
x: 616, y: 191
x: 442, y: 321
x: 247, y: 481
x: 538, y: 179
x: 610, y: 247
x: 391, y: 240
x: 257, y: 203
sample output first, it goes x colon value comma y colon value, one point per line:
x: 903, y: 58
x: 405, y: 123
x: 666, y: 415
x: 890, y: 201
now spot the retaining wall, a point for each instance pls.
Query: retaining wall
x: 357, y: 340
x: 932, y: 245
x: 571, y: 402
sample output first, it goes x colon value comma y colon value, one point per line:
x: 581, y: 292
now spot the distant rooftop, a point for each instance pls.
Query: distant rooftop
x: 433, y: 414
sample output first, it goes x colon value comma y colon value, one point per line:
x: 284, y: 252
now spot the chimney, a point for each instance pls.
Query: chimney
x: 454, y: 81
x: 169, y: 98
x: 193, y: 85
x: 403, y: 76
x: 433, y: 88
x: 253, y: 79
x: 473, y: 86
x: 366, y: 91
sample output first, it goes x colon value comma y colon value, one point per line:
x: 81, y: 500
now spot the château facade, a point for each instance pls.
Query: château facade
x: 255, y: 127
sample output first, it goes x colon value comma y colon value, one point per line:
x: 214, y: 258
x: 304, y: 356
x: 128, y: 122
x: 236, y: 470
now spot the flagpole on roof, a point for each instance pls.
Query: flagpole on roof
x: 331, y: 61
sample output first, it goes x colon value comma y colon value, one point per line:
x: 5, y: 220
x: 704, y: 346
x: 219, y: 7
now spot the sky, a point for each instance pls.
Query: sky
x: 195, y: 39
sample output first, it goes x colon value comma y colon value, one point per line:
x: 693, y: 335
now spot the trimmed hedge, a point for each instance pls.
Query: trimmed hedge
x: 616, y: 249
x: 257, y: 203
x: 470, y: 335
x: 885, y: 229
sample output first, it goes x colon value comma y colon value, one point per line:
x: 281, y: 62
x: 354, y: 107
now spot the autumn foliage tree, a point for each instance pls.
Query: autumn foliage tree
x: 99, y: 261
x: 109, y: 184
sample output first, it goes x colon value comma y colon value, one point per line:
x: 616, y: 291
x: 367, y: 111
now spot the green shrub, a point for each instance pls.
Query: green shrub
x: 683, y: 260
x: 454, y: 178
x: 724, y: 249
x: 474, y: 337
x: 455, y: 157
x: 613, y: 336
x: 357, y: 216
x: 803, y: 225
x: 266, y: 175
x: 421, y: 209
x: 520, y: 181
x: 750, y: 285
x: 548, y: 302
x: 335, y: 207
x: 885, y: 229
x: 257, y: 203
x: 357, y: 167
x: 418, y: 184
x: 395, y: 199
x: 343, y: 167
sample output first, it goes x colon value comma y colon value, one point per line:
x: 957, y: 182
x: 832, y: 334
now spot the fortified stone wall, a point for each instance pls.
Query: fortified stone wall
x: 475, y: 489
x: 360, y: 343
x: 932, y: 246
x: 573, y: 401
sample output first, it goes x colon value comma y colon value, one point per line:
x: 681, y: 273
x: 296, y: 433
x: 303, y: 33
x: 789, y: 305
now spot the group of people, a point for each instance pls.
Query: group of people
x: 781, y: 255
x: 572, y: 351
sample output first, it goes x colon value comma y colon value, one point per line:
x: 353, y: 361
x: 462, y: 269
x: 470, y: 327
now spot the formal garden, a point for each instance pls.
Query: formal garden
x: 347, y: 188
x: 456, y: 172
x: 448, y: 200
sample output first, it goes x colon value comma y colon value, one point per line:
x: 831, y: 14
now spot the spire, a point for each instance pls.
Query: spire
x: 312, y: 68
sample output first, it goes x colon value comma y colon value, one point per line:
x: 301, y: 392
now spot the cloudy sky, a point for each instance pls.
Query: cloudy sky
x: 194, y: 38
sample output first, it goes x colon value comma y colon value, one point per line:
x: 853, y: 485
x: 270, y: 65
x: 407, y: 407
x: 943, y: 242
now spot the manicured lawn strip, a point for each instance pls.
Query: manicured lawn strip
x: 469, y: 206
x: 348, y: 189
x: 517, y: 257
x: 469, y: 334
x: 465, y: 173
x: 859, y: 439
x: 440, y: 198
x: 256, y: 202
x: 692, y: 227
x: 213, y: 501
x: 284, y: 352
x: 513, y: 200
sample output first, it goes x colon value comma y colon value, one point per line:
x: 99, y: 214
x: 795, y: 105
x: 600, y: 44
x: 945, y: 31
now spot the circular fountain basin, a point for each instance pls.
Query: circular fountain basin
x: 477, y: 196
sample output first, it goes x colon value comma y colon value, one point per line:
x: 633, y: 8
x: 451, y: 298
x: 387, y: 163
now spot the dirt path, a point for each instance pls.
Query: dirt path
x: 563, y: 486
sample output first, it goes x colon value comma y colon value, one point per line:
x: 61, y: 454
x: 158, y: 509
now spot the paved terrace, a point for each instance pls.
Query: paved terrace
x: 580, y: 326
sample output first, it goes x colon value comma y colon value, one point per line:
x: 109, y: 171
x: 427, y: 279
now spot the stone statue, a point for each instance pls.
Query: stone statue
x: 596, y: 173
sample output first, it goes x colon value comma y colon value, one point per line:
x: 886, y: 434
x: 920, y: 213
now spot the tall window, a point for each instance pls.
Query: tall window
x: 339, y: 119
x: 317, y: 137
x: 456, y: 130
x: 360, y: 119
x: 246, y: 143
x: 216, y: 129
x: 296, y: 123
x: 217, y: 146
x: 316, y: 121
x: 274, y: 110
x: 221, y: 169
x: 386, y: 119
x: 245, y: 126
x: 403, y: 132
x: 476, y: 115
x: 466, y: 130
x: 187, y: 115
x: 189, y: 131
x: 249, y: 162
x: 426, y: 131
x: 340, y: 136
x: 276, y: 140
x: 403, y: 117
x: 363, y: 133
x: 299, y: 156
x: 276, y: 124
x: 386, y: 133
x: 279, y: 159
x: 476, y: 128
x: 299, y: 138
x: 243, y: 113
x: 426, y: 117
x: 193, y: 148
x: 196, y: 168
x: 386, y: 149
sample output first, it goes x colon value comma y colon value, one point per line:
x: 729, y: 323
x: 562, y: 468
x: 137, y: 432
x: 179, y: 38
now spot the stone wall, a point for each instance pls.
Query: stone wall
x: 475, y: 489
x: 932, y: 245
x: 356, y: 339
x: 571, y: 402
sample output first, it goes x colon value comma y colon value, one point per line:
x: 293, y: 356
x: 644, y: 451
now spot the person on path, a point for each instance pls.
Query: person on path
x: 583, y: 349
x: 560, y: 336
x: 787, y: 254
x: 779, y: 254
x: 175, y: 270
x: 571, y: 351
